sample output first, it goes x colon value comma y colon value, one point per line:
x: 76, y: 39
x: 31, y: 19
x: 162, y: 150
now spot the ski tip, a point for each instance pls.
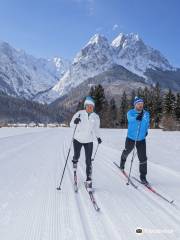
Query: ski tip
x: 115, y: 163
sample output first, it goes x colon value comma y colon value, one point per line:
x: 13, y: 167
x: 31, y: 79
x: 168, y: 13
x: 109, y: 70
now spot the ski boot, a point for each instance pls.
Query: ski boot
x: 88, y: 185
x: 144, y: 180
x: 122, y: 164
x: 75, y: 166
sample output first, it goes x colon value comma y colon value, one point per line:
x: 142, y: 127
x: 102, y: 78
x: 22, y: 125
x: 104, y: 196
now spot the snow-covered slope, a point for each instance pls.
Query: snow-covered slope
x: 62, y: 65
x: 98, y: 56
x: 93, y: 59
x: 46, y: 80
x: 31, y: 164
x: 24, y: 75
x: 132, y: 53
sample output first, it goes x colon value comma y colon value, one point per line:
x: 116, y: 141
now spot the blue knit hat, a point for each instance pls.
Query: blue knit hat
x: 138, y: 100
x: 89, y: 101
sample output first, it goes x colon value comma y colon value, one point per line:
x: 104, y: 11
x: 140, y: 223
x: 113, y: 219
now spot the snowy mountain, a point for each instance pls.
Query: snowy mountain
x: 114, y: 81
x: 61, y: 65
x: 47, y: 80
x: 24, y: 75
x: 132, y: 53
x: 98, y: 56
x: 94, y: 58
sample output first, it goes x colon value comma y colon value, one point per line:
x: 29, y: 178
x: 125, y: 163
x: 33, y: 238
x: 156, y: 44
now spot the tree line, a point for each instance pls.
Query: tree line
x: 163, y: 106
x: 17, y: 110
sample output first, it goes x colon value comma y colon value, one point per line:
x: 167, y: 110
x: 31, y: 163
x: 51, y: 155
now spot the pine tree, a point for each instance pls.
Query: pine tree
x: 168, y: 120
x: 101, y: 106
x: 169, y: 103
x: 98, y: 95
x: 147, y: 96
x: 113, y: 113
x: 123, y: 110
x: 140, y: 92
x: 157, y: 105
x: 133, y: 95
x: 177, y: 107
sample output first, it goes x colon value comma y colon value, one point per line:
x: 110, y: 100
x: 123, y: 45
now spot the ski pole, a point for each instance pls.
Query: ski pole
x: 95, y: 152
x: 59, y: 188
x: 134, y: 154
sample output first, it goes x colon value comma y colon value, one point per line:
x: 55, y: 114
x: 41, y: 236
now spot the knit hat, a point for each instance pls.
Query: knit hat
x: 89, y: 101
x: 138, y: 100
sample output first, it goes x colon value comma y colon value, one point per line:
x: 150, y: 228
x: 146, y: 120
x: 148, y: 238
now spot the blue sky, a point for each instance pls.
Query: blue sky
x: 46, y: 28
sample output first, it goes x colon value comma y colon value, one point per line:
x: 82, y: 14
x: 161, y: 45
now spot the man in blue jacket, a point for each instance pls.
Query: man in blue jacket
x: 138, y: 124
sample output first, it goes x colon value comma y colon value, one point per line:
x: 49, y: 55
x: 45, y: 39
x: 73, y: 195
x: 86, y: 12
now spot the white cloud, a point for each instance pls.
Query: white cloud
x: 89, y: 5
x: 115, y: 27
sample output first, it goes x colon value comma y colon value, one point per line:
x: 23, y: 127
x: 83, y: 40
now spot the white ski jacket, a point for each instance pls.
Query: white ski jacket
x: 88, y: 127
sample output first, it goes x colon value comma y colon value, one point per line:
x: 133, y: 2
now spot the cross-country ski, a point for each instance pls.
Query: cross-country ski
x: 124, y: 173
x: 150, y: 188
x: 92, y: 198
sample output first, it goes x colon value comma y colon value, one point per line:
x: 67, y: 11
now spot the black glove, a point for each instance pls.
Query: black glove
x: 99, y: 140
x: 140, y: 116
x: 77, y: 121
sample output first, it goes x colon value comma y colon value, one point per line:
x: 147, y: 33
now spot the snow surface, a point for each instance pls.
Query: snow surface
x: 136, y: 56
x: 32, y: 161
x: 23, y: 75
x: 94, y: 58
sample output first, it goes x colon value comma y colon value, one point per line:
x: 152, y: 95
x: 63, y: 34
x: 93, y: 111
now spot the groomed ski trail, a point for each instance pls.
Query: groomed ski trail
x: 31, y: 208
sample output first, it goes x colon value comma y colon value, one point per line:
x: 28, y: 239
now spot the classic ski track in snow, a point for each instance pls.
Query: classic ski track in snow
x: 100, y: 220
x: 164, y: 206
x: 139, y: 194
x: 20, y: 142
x: 78, y: 200
x: 151, y: 197
x: 31, y: 208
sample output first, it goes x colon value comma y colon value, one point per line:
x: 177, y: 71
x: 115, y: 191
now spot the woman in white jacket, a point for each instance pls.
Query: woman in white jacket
x: 87, y: 129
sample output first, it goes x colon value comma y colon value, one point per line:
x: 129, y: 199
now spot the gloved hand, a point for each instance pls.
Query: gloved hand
x: 140, y: 116
x: 99, y: 140
x: 77, y: 121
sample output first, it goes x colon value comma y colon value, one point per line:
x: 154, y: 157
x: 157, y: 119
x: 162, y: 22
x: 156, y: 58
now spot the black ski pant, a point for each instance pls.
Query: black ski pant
x: 88, y: 147
x: 141, y: 152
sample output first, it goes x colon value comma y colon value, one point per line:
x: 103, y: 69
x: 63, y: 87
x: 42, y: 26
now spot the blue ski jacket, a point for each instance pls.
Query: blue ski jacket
x: 135, y: 126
